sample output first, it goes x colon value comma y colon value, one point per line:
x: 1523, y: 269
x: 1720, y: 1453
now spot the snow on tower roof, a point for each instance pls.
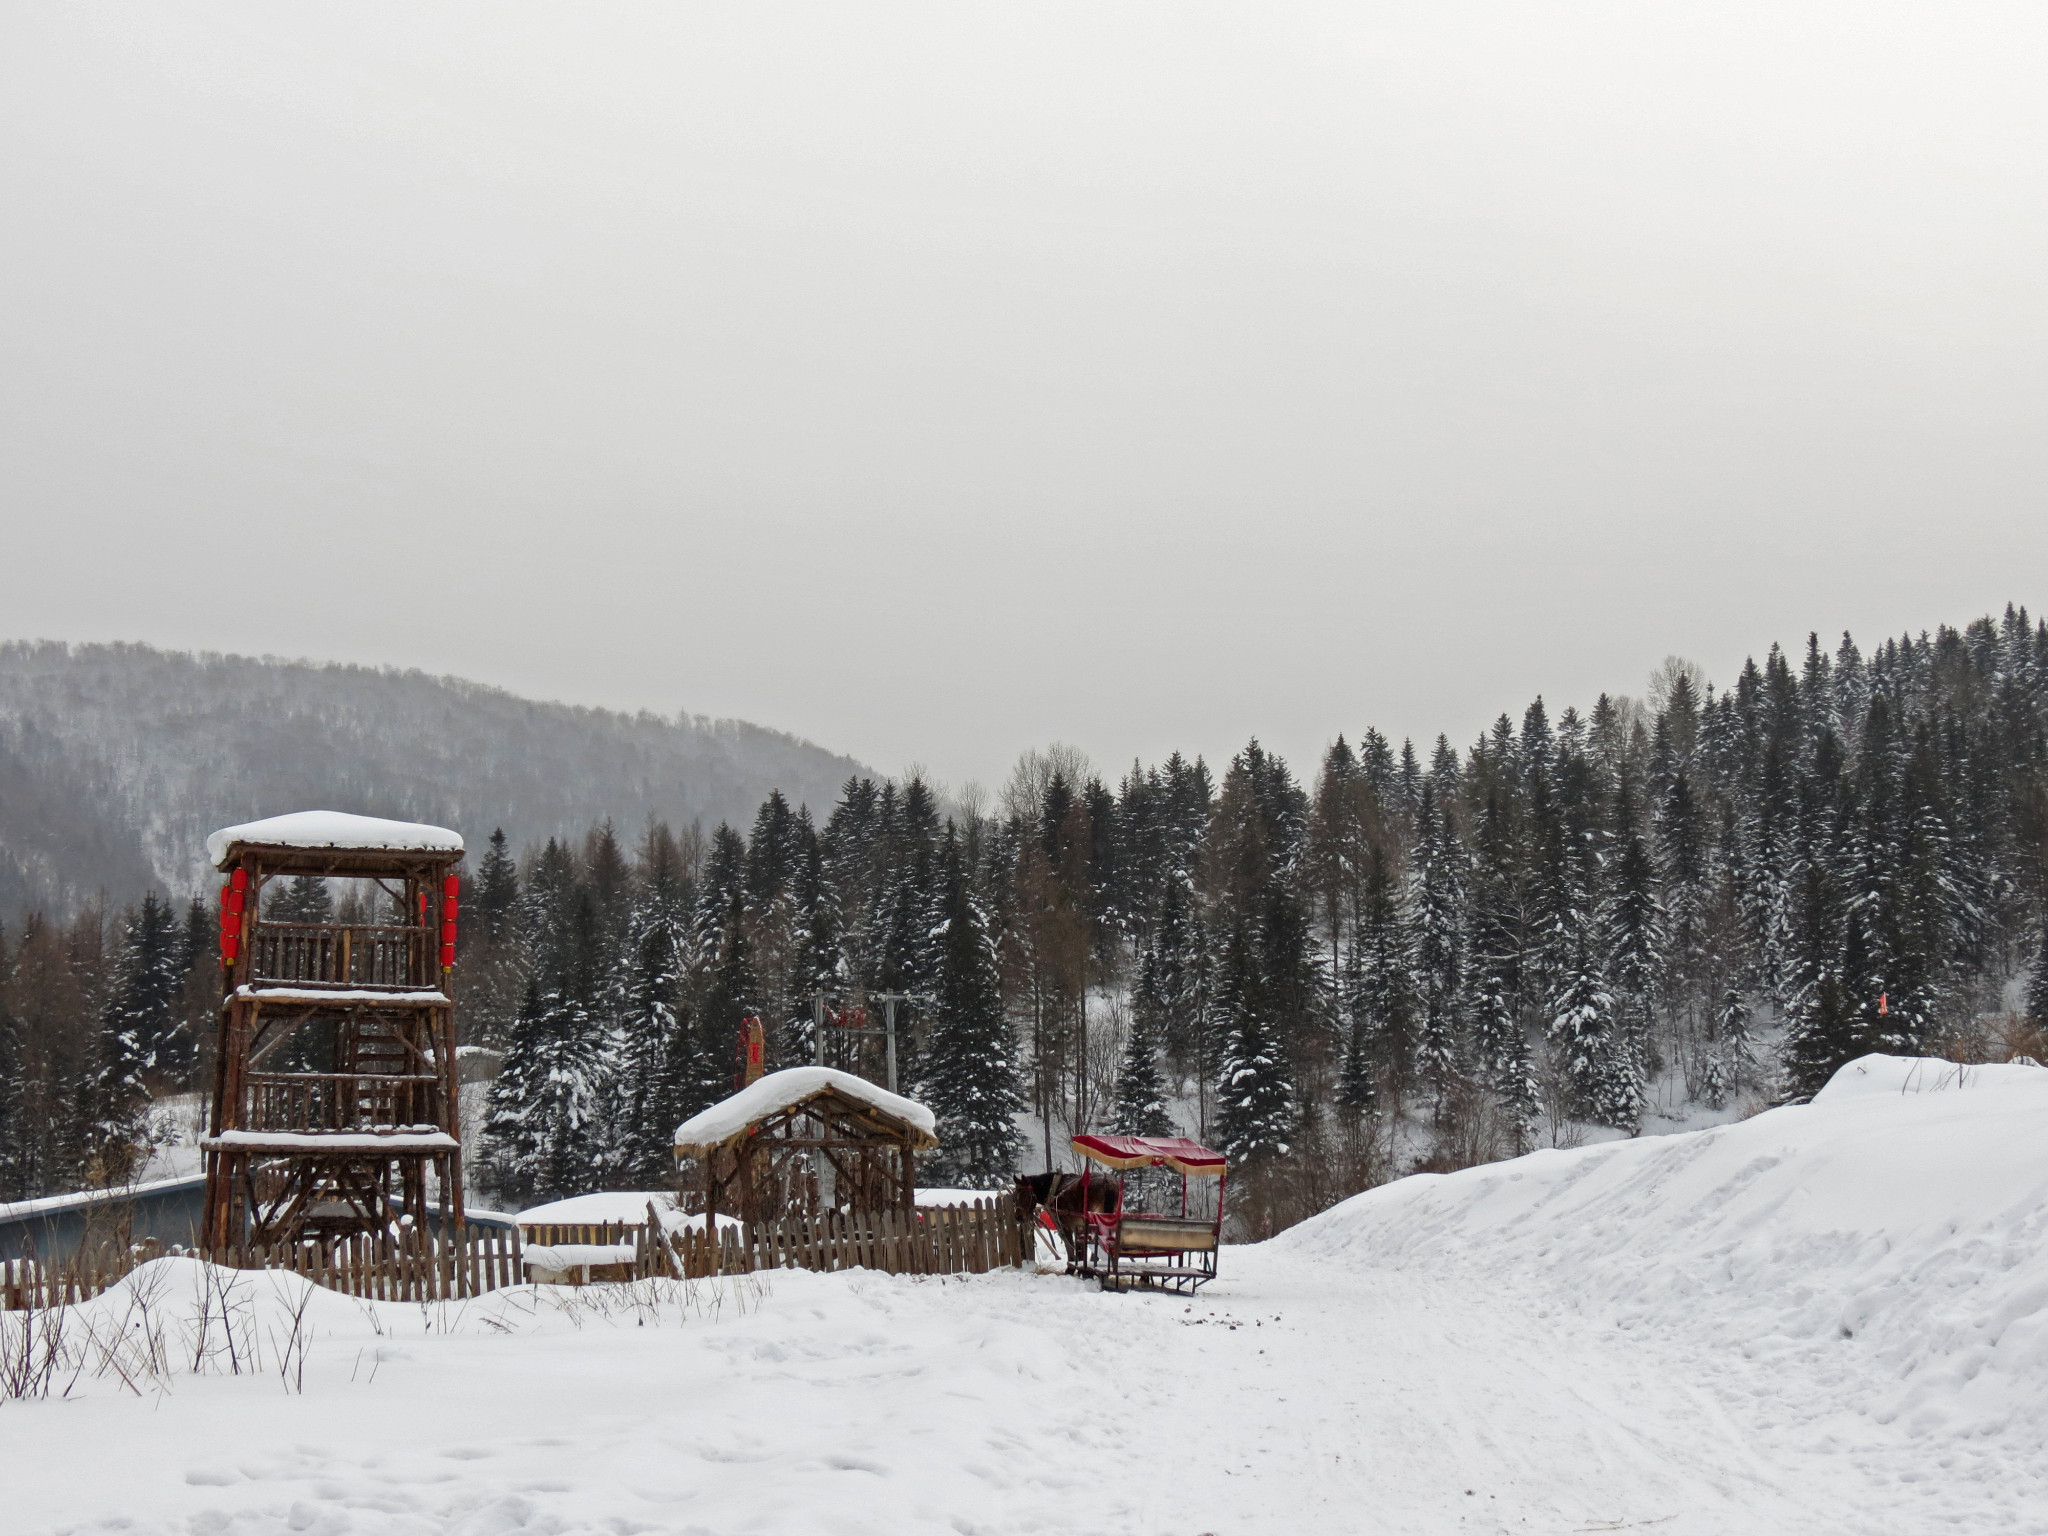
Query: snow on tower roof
x: 785, y: 1090
x: 332, y: 829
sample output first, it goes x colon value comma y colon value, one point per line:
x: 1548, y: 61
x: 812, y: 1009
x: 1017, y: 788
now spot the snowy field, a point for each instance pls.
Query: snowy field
x: 1823, y: 1319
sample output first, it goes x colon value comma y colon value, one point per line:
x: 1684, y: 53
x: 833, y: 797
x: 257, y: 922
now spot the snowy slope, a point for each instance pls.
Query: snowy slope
x: 1824, y: 1321
x: 1865, y: 1274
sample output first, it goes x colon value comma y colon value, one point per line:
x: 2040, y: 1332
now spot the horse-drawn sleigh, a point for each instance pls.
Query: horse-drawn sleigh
x: 1112, y: 1216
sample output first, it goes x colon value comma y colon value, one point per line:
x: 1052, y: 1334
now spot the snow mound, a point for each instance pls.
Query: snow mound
x: 332, y: 829
x: 1868, y: 1075
x: 1884, y: 1243
x: 621, y: 1207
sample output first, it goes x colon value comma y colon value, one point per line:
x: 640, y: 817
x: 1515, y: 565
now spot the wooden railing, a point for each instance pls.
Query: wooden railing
x: 420, y: 1266
x: 337, y: 1101
x: 932, y: 1240
x: 354, y: 955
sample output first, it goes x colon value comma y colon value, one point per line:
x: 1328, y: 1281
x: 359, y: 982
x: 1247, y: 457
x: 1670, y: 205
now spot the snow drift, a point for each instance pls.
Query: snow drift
x: 1883, y: 1241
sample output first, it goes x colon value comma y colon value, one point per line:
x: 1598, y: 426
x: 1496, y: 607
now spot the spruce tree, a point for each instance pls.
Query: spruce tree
x: 496, y: 890
x: 1383, y: 999
x: 1256, y: 1111
x: 663, y: 1077
x: 2037, y: 985
x: 1437, y: 903
x: 1633, y: 938
x: 970, y: 1080
x: 144, y: 1038
x: 1140, y: 1108
x: 1500, y: 1042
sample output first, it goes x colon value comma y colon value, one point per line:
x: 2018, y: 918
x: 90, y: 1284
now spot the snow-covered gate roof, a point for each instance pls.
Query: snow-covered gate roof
x: 778, y: 1091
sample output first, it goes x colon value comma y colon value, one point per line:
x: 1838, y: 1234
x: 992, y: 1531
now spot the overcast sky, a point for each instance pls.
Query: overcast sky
x: 937, y: 380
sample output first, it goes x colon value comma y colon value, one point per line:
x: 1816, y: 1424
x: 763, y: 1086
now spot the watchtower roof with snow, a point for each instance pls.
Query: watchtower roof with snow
x: 332, y: 843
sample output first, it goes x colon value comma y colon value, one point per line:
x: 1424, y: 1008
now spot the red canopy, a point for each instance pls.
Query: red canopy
x: 1176, y: 1152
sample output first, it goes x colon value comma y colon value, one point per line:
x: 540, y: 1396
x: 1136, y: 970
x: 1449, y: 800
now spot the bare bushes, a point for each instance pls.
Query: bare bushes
x: 1336, y: 1156
x: 1995, y: 1037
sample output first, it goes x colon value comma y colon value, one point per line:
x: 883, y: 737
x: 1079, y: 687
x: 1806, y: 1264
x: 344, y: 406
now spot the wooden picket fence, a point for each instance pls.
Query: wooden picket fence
x: 30, y: 1285
x: 933, y: 1240
x: 417, y: 1267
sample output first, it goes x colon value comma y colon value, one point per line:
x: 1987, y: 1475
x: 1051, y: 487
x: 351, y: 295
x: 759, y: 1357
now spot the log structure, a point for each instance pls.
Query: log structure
x: 335, y: 1085
x: 804, y: 1140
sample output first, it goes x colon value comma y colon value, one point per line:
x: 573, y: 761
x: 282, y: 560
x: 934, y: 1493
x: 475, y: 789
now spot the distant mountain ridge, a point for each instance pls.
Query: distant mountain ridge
x: 117, y: 759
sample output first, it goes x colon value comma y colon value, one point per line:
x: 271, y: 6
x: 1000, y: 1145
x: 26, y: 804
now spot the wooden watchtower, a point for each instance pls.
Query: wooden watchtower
x: 335, y: 1080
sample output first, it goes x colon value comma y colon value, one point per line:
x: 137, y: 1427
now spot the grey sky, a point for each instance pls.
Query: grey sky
x: 939, y: 380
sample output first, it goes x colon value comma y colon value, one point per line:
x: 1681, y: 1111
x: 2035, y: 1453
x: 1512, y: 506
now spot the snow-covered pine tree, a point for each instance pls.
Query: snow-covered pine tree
x: 137, y: 1018
x: 545, y: 1131
x: 497, y: 889
x: 663, y: 1077
x: 302, y: 899
x: 2037, y: 984
x: 1256, y: 1110
x: 1587, y: 1040
x: 1820, y: 1025
x: 142, y: 1011
x: 1436, y: 905
x: 16, y: 1157
x: 970, y: 1079
x: 1383, y: 1002
x: 1633, y: 934
x: 1140, y: 1108
x: 1500, y: 1042
x: 1180, y: 951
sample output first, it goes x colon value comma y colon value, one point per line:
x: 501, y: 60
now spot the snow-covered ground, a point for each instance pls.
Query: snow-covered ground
x: 1830, y: 1318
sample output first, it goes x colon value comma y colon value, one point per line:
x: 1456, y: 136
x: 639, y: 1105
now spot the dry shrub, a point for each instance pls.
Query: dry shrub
x: 1992, y: 1038
x: 1337, y: 1156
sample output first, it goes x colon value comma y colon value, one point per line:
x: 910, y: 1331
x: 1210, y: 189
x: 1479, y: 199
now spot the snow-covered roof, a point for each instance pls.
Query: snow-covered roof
x: 333, y: 1141
x: 784, y: 1090
x: 332, y: 829
x: 612, y: 1206
x: 414, y: 997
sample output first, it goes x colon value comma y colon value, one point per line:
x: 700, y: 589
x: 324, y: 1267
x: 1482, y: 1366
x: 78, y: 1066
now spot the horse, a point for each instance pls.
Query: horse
x: 1068, y: 1199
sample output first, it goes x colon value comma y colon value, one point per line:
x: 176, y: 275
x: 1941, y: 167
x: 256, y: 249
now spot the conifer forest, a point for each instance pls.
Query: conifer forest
x: 1400, y: 957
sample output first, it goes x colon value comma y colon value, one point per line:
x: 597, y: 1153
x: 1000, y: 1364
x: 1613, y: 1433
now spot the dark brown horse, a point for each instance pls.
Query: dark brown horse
x: 1068, y: 1199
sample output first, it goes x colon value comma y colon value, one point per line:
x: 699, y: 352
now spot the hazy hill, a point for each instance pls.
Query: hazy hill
x: 117, y: 760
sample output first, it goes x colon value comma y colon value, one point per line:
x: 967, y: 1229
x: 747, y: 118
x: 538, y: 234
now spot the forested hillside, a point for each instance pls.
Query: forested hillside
x: 117, y: 760
x: 1399, y: 959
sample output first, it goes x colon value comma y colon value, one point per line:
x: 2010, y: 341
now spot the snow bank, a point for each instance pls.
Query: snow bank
x: 332, y: 829
x: 1876, y: 1075
x: 779, y: 1091
x: 562, y: 1258
x: 1883, y: 1243
x: 617, y: 1206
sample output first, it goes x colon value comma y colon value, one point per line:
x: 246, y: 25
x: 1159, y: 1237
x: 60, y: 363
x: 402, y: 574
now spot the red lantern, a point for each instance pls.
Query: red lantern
x: 447, y: 957
x: 241, y: 880
x: 451, y: 887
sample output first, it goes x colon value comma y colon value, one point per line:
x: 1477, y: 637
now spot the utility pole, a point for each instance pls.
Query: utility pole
x: 889, y: 1000
x: 887, y: 1030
